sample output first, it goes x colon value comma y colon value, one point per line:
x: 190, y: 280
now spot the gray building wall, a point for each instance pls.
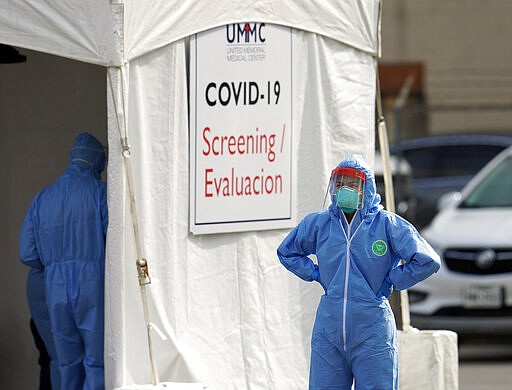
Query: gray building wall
x: 466, y: 48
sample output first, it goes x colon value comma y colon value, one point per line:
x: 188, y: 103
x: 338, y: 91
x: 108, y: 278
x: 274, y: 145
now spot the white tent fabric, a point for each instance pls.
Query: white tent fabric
x: 116, y: 31
x: 81, y: 30
x: 233, y: 316
x: 353, y: 22
x: 238, y: 318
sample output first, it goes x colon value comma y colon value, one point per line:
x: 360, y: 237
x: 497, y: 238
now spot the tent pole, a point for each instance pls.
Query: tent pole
x: 390, y: 196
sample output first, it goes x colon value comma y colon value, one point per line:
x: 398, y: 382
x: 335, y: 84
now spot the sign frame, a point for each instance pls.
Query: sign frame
x: 250, y: 183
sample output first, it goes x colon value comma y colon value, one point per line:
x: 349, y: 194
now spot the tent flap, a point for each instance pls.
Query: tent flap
x: 80, y: 30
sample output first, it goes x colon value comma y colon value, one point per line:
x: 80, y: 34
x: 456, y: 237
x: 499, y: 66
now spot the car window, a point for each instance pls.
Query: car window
x: 495, y: 190
x: 450, y: 160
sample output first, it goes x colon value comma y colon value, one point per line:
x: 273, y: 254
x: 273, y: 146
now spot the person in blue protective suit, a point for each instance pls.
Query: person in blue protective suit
x: 40, y: 327
x: 64, y: 233
x: 363, y: 252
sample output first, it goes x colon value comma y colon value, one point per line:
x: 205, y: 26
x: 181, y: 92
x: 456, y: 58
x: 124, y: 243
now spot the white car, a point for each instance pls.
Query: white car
x: 472, y: 292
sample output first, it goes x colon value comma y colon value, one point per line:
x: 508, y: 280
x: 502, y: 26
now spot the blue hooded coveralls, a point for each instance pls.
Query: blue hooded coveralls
x: 64, y: 234
x: 36, y: 296
x: 354, y: 336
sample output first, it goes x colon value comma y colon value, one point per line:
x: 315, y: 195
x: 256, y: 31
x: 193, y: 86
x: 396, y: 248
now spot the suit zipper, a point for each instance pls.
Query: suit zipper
x: 345, y: 293
x: 347, y: 274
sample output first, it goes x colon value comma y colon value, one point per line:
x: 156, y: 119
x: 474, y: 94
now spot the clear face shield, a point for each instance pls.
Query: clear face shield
x: 346, y: 187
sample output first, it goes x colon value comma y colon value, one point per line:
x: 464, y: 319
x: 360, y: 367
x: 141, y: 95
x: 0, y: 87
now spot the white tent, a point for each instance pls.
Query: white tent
x: 233, y: 317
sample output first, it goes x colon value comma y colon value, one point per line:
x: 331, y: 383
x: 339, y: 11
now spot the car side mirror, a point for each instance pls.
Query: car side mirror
x: 448, y: 200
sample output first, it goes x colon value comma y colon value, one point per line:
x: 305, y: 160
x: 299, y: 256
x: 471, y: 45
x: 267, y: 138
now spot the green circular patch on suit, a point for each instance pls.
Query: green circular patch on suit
x: 379, y: 247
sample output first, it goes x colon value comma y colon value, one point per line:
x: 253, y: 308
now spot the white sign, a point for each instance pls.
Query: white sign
x: 241, y: 129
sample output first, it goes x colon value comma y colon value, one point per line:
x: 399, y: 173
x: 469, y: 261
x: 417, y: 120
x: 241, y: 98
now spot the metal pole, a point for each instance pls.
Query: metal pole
x: 390, y: 196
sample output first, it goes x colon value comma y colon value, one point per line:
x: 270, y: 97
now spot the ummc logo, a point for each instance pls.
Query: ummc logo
x: 245, y: 33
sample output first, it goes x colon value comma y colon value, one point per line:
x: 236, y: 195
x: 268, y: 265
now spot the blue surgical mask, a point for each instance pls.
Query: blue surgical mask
x: 347, y: 199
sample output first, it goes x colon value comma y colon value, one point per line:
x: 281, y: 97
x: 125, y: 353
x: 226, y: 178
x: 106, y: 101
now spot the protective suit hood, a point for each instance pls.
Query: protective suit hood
x: 371, y: 201
x: 87, y: 149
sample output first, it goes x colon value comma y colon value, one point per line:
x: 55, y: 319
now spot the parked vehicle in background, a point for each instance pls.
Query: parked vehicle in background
x: 472, y: 292
x: 405, y: 201
x: 445, y: 163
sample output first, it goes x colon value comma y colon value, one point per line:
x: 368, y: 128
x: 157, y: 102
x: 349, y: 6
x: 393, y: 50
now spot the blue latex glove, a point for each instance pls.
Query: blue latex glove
x: 386, y: 289
x: 316, y: 276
